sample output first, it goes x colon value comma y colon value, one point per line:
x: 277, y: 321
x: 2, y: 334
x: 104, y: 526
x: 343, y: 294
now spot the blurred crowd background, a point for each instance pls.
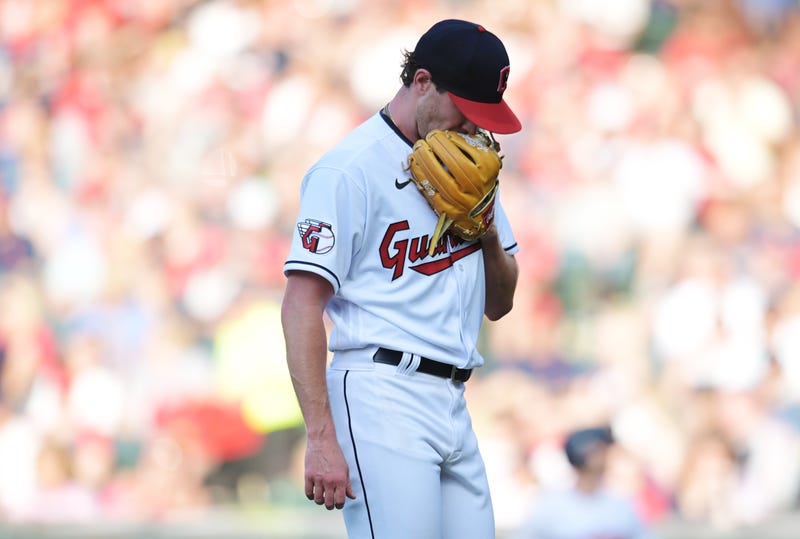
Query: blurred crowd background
x: 150, y: 160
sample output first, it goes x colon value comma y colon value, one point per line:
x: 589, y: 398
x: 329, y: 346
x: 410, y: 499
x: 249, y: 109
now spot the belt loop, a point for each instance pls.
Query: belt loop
x: 409, y: 363
x: 453, y: 372
x: 405, y: 361
x: 415, y: 361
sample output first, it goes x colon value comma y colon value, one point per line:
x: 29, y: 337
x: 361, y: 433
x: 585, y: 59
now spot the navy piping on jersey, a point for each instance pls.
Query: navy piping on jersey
x: 355, y: 455
x: 390, y: 123
x: 510, y: 247
x: 338, y: 284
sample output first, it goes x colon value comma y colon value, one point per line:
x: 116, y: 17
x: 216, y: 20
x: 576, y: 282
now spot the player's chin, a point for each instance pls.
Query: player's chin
x: 450, y: 127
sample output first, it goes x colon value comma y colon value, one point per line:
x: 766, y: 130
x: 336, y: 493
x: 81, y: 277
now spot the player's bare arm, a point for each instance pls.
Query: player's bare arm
x: 326, y: 472
x: 501, y: 272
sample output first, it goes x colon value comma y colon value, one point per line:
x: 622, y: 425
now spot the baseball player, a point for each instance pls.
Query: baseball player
x: 389, y: 437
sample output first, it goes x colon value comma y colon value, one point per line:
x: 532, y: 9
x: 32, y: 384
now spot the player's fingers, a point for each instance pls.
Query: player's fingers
x: 319, y: 492
x: 350, y: 493
x: 310, y: 488
x: 338, y: 498
x: 331, y: 495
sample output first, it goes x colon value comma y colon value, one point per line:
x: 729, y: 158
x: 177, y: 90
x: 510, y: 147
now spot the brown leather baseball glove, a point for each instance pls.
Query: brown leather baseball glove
x: 457, y: 174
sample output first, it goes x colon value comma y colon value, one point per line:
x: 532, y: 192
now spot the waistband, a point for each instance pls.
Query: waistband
x: 427, y: 366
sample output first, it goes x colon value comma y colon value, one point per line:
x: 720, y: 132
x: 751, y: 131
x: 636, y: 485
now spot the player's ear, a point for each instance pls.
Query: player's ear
x: 422, y: 80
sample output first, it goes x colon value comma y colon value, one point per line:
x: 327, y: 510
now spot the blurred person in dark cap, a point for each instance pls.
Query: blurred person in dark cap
x: 587, y: 509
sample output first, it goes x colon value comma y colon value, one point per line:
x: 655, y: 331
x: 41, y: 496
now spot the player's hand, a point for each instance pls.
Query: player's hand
x: 490, y: 235
x: 327, y: 476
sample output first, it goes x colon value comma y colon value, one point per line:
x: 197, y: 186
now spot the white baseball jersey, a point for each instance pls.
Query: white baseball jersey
x: 365, y: 228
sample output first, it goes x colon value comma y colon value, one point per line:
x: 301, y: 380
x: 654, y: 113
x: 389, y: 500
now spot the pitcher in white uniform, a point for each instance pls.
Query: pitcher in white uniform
x: 389, y: 437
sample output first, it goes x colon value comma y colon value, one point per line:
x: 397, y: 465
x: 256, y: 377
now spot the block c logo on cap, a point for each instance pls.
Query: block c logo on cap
x: 503, y: 84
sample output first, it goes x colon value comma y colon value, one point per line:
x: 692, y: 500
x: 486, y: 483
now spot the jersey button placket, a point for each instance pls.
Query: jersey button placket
x: 461, y: 276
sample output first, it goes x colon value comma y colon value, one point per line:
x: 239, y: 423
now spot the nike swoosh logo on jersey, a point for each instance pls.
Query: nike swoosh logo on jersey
x: 400, y: 185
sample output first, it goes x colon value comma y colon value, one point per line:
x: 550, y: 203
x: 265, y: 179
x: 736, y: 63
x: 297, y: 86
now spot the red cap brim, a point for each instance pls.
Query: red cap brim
x: 494, y: 117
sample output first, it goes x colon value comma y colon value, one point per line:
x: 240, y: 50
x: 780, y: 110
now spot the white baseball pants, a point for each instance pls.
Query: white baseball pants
x: 414, y: 461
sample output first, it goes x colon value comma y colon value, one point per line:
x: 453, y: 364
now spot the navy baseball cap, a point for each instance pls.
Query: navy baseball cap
x: 580, y: 443
x: 472, y: 65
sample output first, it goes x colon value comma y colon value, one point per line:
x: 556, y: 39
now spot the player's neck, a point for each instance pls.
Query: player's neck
x: 401, y: 111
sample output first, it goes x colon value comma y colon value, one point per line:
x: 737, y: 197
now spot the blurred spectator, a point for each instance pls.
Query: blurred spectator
x: 586, y: 509
x: 707, y: 478
x: 767, y: 451
x: 16, y: 251
x: 743, y: 467
x: 59, y: 497
x: 19, y: 451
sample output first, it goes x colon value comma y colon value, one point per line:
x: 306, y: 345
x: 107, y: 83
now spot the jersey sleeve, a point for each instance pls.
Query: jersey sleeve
x: 329, y: 227
x: 507, y: 239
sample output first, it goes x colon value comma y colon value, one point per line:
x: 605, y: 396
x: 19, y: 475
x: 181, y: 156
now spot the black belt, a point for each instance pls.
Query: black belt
x: 427, y: 366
